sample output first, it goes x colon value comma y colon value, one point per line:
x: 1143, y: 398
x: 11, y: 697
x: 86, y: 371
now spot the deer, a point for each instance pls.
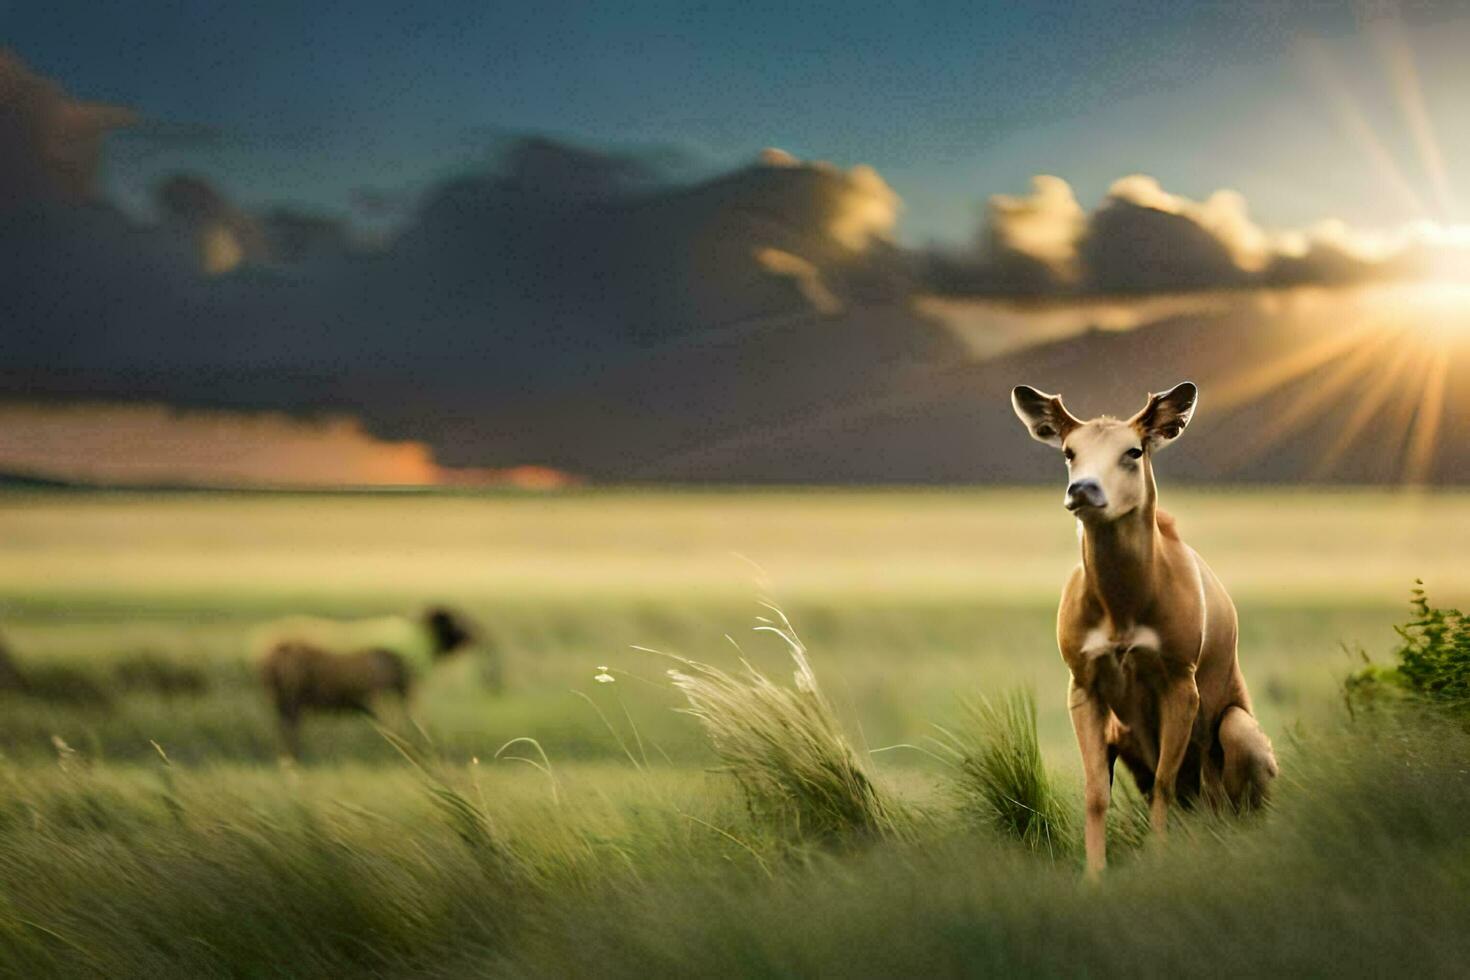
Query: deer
x: 1147, y: 631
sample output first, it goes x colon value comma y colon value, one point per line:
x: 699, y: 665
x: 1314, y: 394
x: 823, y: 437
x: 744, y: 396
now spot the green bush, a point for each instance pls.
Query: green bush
x: 1431, y: 662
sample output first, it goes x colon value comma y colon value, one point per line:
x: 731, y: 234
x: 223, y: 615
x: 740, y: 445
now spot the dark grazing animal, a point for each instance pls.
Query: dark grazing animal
x: 304, y: 674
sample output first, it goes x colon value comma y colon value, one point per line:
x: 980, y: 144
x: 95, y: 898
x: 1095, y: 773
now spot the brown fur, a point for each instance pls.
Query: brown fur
x: 300, y: 677
x: 1147, y: 631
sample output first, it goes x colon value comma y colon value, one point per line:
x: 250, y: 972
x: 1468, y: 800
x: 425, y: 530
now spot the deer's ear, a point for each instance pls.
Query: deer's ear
x: 1044, y: 416
x: 1166, y: 414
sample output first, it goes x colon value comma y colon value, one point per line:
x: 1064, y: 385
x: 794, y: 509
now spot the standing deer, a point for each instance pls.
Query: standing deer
x: 1146, y: 629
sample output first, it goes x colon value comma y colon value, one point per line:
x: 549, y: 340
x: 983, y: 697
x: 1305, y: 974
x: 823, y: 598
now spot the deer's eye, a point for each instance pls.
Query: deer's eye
x: 1068, y: 455
x: 1135, y: 453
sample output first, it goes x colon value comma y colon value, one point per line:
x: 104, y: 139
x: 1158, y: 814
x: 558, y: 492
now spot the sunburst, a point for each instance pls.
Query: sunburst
x: 1391, y: 359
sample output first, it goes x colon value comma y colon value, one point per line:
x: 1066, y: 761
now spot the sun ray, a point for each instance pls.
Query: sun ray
x: 1399, y: 416
x: 1368, y: 408
x: 1403, y: 72
x: 1251, y: 385
x: 1334, y: 88
x: 1312, y: 402
x: 1419, y: 462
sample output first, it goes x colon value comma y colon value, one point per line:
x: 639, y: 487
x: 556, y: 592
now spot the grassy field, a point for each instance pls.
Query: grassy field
x: 148, y: 826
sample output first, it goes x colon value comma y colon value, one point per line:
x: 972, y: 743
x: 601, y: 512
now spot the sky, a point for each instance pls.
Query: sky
x: 311, y: 104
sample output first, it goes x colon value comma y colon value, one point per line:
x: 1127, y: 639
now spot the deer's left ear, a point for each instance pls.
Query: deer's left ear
x: 1166, y: 414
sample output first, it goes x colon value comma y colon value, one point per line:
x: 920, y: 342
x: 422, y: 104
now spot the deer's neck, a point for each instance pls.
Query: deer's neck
x: 1119, y: 560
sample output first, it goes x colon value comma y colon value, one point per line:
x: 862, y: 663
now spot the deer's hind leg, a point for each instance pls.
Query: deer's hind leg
x: 1249, y: 762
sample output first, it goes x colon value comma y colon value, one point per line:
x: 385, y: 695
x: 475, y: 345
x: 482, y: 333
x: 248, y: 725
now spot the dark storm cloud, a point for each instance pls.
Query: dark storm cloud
x: 1133, y: 246
x: 50, y: 144
x: 222, y: 235
x: 522, y: 279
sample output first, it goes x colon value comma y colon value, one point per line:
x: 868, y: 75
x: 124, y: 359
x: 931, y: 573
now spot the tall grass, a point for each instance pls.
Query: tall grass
x: 469, y: 819
x: 1359, y: 869
x: 203, y: 872
x: 1000, y: 777
x: 786, y: 748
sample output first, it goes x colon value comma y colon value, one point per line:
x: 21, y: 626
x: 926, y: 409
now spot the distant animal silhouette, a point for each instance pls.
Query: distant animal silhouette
x: 11, y: 679
x: 55, y: 683
x: 1147, y: 630
x: 304, y: 671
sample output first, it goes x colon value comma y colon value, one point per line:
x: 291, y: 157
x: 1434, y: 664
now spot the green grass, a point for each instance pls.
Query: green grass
x: 1000, y: 777
x: 785, y: 747
x: 149, y: 828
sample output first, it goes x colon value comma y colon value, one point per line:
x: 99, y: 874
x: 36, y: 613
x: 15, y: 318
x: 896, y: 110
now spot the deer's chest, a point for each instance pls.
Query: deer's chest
x: 1125, y: 669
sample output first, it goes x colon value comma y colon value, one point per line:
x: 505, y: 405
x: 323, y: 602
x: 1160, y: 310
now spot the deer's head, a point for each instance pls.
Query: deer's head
x: 1109, y: 468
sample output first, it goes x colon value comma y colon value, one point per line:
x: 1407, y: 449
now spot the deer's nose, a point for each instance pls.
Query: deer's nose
x: 1085, y: 493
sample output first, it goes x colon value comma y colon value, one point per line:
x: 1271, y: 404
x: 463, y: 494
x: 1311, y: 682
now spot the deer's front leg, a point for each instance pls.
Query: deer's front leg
x: 1089, y: 722
x: 1178, y: 705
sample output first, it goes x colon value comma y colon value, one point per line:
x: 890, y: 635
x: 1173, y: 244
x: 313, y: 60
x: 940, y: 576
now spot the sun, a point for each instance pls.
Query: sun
x: 1449, y: 256
x: 1437, y: 308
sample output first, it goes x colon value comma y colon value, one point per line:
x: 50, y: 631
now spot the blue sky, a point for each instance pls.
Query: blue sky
x: 303, y: 103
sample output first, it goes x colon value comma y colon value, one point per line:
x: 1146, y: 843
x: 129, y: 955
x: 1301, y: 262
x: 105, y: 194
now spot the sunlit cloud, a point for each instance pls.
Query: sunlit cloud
x: 152, y: 444
x: 804, y: 274
x: 1223, y: 214
x: 1144, y: 239
x: 1044, y: 225
x: 990, y: 327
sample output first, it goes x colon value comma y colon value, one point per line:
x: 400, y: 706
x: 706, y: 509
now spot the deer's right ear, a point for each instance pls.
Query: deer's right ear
x: 1044, y: 416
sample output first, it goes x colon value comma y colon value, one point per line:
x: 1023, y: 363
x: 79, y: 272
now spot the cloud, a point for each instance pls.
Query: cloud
x: 551, y: 267
x: 151, y: 444
x: 1143, y: 239
x: 548, y: 168
x: 50, y: 143
x: 866, y: 209
x: 806, y: 276
x: 1042, y: 226
x: 1027, y: 244
x: 222, y: 236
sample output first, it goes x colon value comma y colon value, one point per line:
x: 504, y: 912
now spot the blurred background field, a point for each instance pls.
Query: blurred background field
x: 138, y: 606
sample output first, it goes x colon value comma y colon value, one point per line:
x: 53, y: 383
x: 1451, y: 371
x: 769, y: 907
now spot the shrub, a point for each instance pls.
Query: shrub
x: 1432, y: 661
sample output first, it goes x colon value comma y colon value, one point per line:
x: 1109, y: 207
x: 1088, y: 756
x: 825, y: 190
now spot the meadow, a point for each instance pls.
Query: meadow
x: 149, y: 825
